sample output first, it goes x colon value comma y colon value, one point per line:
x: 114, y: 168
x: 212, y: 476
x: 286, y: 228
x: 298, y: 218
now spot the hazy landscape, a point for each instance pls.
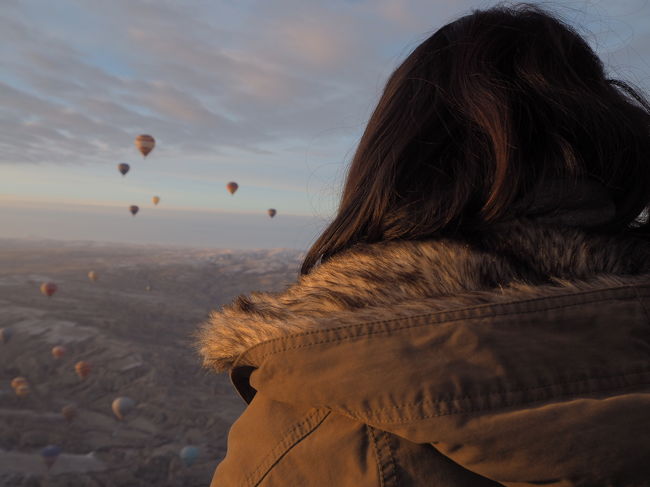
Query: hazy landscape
x: 134, y: 327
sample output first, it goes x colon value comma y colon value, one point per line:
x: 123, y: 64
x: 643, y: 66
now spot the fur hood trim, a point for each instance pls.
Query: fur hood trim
x: 373, y: 282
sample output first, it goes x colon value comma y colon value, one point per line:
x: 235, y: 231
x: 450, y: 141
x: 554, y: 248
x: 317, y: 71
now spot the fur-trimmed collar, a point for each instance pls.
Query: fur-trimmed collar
x: 520, y: 260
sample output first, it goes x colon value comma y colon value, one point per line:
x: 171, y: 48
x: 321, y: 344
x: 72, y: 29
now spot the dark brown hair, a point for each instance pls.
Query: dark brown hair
x: 475, y: 117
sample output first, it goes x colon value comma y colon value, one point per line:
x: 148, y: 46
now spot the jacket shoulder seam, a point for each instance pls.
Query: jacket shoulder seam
x: 634, y: 287
x: 398, y: 329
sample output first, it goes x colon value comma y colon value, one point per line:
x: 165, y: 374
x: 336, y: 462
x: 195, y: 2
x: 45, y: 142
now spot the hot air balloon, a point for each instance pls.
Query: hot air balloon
x: 271, y: 212
x: 50, y: 454
x: 123, y: 168
x: 92, y: 275
x: 148, y: 288
x: 22, y: 390
x: 58, y: 351
x: 232, y: 187
x: 122, y: 406
x: 155, y: 199
x: 134, y: 209
x: 18, y: 381
x: 82, y: 368
x: 189, y: 454
x: 48, y: 288
x: 6, y: 334
x: 145, y: 144
x: 69, y: 412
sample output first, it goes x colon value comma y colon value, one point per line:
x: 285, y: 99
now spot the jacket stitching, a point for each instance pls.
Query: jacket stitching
x: 441, y: 314
x: 380, y: 467
x: 403, y: 328
x: 286, y: 438
x: 390, y: 457
x: 511, y: 391
x: 287, y: 442
x: 403, y: 419
x: 283, y: 447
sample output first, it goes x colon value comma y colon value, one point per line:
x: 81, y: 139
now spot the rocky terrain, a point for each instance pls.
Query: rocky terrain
x: 134, y: 326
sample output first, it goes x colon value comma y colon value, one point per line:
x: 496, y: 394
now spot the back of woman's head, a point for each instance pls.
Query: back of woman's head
x: 477, y: 117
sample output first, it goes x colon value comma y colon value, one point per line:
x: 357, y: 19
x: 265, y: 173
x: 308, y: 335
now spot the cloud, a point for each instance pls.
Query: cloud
x: 283, y: 80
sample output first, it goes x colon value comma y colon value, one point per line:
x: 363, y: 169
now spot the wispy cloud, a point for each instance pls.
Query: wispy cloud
x: 267, y: 91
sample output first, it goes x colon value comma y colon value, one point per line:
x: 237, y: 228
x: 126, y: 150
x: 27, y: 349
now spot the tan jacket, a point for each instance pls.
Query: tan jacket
x: 520, y: 359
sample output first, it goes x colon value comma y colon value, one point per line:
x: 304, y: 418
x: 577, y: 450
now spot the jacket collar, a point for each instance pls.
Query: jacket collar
x: 523, y: 259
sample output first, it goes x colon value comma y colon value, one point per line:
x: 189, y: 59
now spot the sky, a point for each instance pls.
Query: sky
x: 272, y: 94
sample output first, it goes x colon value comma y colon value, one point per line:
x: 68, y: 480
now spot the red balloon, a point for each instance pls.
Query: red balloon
x: 48, y: 288
x: 232, y: 187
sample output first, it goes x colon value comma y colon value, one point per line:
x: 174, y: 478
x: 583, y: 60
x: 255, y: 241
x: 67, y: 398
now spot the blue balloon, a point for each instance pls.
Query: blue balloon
x: 189, y: 454
x: 50, y: 453
x: 6, y: 334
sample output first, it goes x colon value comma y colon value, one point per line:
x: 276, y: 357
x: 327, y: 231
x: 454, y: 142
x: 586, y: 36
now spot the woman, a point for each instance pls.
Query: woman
x: 477, y: 312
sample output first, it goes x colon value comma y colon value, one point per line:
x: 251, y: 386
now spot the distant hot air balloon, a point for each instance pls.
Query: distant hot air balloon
x: 156, y: 200
x: 134, y: 209
x: 92, y: 275
x: 22, y: 390
x: 232, y: 187
x: 123, y: 168
x: 48, y: 288
x: 82, y: 368
x: 145, y: 144
x: 148, y: 288
x: 50, y: 454
x: 6, y: 334
x: 122, y: 406
x: 58, y: 351
x: 69, y: 412
x: 189, y: 454
x: 271, y: 212
x: 18, y: 381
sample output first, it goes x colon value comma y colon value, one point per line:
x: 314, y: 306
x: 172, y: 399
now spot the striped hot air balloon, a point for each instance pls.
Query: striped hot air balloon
x: 145, y: 144
x: 232, y: 187
x: 271, y: 212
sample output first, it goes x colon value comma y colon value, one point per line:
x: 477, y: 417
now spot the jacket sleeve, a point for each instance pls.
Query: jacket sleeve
x: 565, y: 442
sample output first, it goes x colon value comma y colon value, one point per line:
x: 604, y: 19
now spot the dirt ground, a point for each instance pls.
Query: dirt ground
x: 134, y: 327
